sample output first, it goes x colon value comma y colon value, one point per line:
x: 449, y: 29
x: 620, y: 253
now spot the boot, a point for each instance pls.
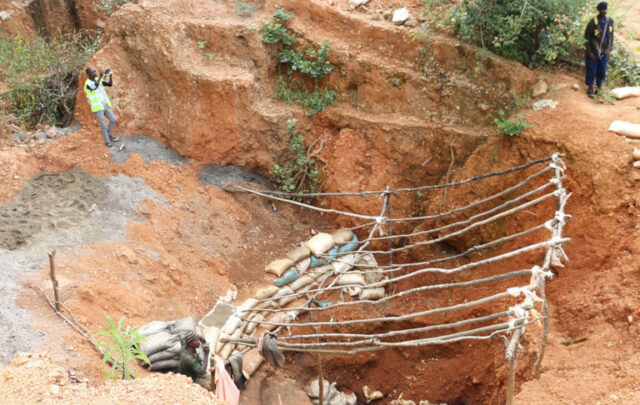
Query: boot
x: 590, y: 92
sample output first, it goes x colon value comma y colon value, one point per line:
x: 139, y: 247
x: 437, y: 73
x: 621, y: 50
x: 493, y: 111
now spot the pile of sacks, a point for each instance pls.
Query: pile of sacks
x: 324, y: 255
x: 162, y: 344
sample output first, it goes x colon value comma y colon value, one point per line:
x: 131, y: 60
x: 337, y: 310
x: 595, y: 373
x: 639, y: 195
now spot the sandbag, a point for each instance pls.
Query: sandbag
x: 211, y: 336
x: 245, y: 306
x: 251, y: 326
x: 303, y: 265
x: 251, y: 361
x: 321, y: 271
x: 183, y: 325
x: 232, y: 324
x: 636, y: 154
x: 636, y: 164
x: 278, y: 317
x: 328, y: 389
x: 226, y: 350
x: 301, y: 282
x: 350, y: 246
x: 265, y: 292
x: 158, y: 342
x: 344, y: 263
x: 372, y: 276
x: 282, y: 292
x: 320, y: 243
x: 153, y: 327
x: 342, y: 236
x: 332, y: 254
x: 168, y: 354
x: 351, y: 278
x: 372, y: 293
x: 287, y: 278
x: 279, y: 266
x: 165, y: 365
x: 220, y: 343
x: 625, y: 128
x: 367, y: 261
x: 298, y: 254
x: 265, y: 304
x: 316, y: 261
x: 624, y: 92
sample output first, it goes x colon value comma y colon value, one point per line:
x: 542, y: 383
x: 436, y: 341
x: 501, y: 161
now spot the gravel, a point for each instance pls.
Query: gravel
x: 149, y: 148
x: 220, y: 176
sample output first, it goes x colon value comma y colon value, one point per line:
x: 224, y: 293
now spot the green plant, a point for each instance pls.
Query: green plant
x: 121, y: 347
x: 42, y: 76
x: 110, y: 6
x: 208, y: 56
x: 244, y: 8
x: 202, y: 44
x: 624, y: 68
x: 300, y: 171
x: 532, y: 32
x: 304, y: 68
x: 511, y: 128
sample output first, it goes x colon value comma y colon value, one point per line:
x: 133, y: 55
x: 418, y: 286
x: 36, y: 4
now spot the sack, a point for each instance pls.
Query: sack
x: 344, y: 263
x: 315, y: 262
x: 350, y: 278
x: 636, y: 154
x: 299, y: 253
x: 232, y: 324
x: 624, y: 92
x: 251, y: 326
x: 245, y: 306
x: 342, y: 236
x: 279, y: 266
x: 183, y: 325
x: 251, y: 361
x: 625, y: 128
x: 164, y: 365
x: 372, y: 293
x: 332, y: 253
x: 303, y: 265
x: 171, y: 353
x: 153, y: 327
x: 282, y: 292
x: 158, y: 342
x: 351, y: 246
x: 321, y: 271
x: 301, y: 282
x: 278, y: 317
x: 211, y: 336
x: 288, y: 277
x: 265, y: 292
x: 320, y: 243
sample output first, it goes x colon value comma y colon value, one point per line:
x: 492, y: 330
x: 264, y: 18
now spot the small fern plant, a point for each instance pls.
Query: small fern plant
x: 121, y: 346
x: 511, y: 128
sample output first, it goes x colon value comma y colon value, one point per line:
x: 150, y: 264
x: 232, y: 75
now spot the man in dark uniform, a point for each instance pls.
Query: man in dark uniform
x: 190, y: 363
x: 599, y: 36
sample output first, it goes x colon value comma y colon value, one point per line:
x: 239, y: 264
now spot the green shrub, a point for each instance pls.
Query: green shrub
x: 304, y: 68
x: 121, y: 348
x: 110, y: 6
x: 532, y: 32
x: 244, y: 8
x: 42, y: 76
x: 300, y: 172
x: 624, y: 68
x: 511, y: 128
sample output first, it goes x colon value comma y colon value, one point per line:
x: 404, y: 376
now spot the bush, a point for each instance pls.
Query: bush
x: 300, y: 172
x: 533, y: 32
x: 121, y: 348
x: 624, y: 68
x: 511, y: 128
x: 42, y: 76
x: 304, y: 68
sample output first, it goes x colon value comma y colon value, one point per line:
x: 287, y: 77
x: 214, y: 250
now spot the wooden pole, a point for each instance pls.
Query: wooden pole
x: 512, y: 355
x: 54, y: 281
x: 319, y: 366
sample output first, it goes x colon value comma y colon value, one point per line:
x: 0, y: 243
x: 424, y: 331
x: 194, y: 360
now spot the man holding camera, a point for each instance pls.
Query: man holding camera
x: 599, y: 36
x: 100, y: 103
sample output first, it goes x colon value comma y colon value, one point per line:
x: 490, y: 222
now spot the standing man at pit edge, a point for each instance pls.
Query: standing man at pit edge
x: 100, y: 103
x: 599, y: 36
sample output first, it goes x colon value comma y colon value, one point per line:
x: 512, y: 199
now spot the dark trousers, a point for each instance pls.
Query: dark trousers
x: 596, y: 69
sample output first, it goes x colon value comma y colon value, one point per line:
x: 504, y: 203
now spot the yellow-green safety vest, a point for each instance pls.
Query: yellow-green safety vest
x: 94, y: 96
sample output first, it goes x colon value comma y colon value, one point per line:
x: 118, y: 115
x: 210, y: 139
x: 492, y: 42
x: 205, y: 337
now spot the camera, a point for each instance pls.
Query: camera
x: 107, y: 72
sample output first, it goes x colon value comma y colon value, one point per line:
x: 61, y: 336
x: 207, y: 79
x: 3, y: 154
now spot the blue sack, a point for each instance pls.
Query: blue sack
x: 333, y: 253
x: 315, y: 262
x: 288, y: 277
x: 350, y: 246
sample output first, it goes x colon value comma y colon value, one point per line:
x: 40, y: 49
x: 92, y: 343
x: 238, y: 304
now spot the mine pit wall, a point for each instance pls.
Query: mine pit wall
x: 395, y: 119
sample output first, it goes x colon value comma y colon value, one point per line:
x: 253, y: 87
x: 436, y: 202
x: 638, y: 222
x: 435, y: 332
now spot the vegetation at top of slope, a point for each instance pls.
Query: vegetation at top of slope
x: 110, y: 6
x: 301, y: 82
x: 624, y: 68
x: 533, y: 32
x: 41, y: 76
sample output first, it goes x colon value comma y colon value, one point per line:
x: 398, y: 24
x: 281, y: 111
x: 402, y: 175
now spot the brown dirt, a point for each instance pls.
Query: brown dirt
x: 221, y: 111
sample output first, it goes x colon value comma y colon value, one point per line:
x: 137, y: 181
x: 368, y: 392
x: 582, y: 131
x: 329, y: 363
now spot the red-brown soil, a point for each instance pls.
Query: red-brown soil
x: 221, y: 111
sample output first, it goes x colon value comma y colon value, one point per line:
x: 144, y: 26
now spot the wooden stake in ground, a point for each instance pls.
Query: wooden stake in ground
x: 319, y: 365
x: 54, y: 281
x: 512, y: 355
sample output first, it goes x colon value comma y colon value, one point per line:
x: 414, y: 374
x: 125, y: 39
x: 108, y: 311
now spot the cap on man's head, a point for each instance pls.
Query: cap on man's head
x: 602, y: 6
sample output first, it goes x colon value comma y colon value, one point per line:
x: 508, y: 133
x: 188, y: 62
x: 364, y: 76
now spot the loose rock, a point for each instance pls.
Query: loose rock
x: 400, y: 16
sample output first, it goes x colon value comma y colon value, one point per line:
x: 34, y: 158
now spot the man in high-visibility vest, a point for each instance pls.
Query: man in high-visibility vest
x: 100, y: 103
